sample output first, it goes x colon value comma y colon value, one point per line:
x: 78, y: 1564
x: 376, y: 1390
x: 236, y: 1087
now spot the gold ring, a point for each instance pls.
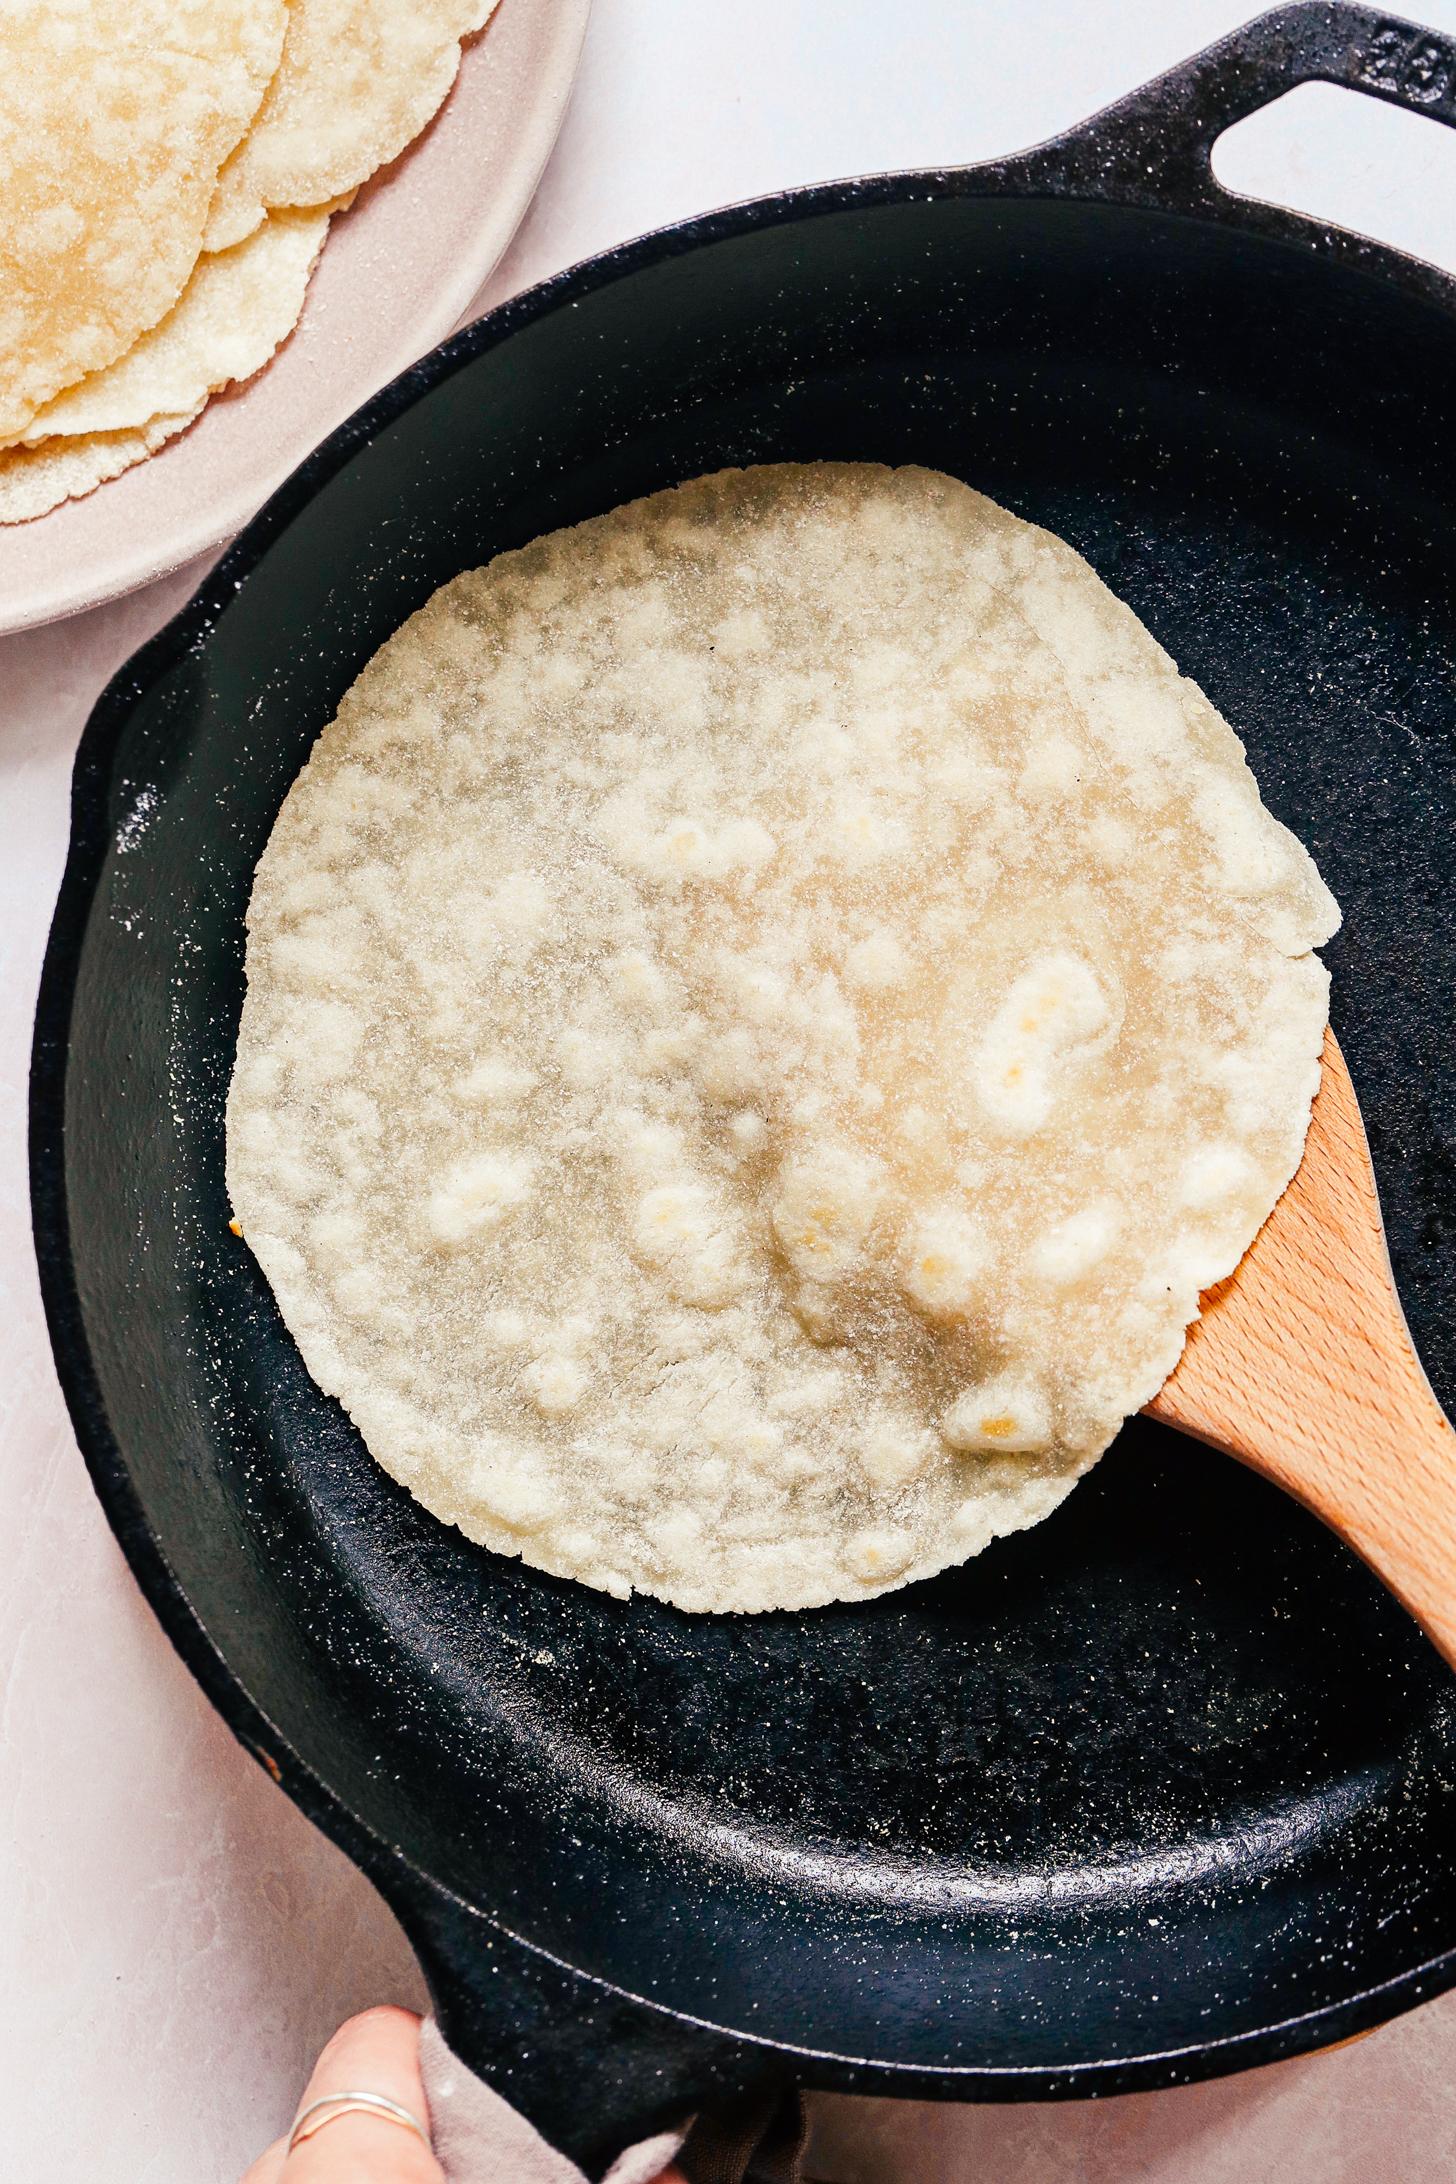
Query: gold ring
x: 333, y: 2105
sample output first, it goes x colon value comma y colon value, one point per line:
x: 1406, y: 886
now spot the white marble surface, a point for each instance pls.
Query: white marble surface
x: 176, y: 1940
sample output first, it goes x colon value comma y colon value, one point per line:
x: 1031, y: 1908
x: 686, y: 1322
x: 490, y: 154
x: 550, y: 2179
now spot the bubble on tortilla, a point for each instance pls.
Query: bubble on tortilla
x: 764, y: 1012
x: 115, y: 118
x: 358, y: 81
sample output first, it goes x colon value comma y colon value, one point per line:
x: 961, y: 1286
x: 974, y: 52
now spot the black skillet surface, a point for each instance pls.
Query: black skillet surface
x: 1162, y: 1788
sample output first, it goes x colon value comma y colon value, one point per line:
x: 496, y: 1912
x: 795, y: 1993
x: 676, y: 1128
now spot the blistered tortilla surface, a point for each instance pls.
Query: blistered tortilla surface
x: 764, y: 1012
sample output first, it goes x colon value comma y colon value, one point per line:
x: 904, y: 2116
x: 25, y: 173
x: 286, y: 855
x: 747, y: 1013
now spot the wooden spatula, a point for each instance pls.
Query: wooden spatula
x: 1302, y: 1366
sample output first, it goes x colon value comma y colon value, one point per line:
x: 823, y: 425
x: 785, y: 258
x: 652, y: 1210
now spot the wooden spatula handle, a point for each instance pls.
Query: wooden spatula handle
x: 1302, y: 1366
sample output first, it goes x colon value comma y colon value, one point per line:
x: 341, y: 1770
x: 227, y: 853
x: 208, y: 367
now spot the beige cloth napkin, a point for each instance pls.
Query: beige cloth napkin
x: 479, y: 2138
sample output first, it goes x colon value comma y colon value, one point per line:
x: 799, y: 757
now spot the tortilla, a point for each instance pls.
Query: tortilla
x: 230, y: 318
x: 115, y: 117
x: 359, y: 79
x: 34, y: 480
x: 764, y: 1012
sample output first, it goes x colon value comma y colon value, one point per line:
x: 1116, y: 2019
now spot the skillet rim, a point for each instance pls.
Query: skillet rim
x: 1051, y: 173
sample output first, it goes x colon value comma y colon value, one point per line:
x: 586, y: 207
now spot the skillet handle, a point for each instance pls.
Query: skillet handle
x: 593, y: 2070
x: 1154, y: 147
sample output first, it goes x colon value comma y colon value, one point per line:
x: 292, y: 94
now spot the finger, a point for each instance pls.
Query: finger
x: 376, y: 2053
x: 268, y: 2167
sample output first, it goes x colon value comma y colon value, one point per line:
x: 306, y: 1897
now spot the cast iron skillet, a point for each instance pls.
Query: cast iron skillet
x: 1160, y: 1789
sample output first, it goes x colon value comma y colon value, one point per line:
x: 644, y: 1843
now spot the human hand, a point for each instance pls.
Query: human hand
x: 378, y: 2052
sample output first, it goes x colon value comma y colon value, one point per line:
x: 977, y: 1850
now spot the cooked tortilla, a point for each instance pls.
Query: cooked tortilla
x: 115, y: 116
x: 34, y: 480
x: 765, y: 1010
x: 358, y: 81
x: 234, y: 312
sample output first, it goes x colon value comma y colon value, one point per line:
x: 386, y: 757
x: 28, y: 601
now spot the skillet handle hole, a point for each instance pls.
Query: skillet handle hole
x: 1348, y: 162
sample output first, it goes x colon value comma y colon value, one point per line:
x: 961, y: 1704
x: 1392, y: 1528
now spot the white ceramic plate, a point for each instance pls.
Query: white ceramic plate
x: 398, y: 272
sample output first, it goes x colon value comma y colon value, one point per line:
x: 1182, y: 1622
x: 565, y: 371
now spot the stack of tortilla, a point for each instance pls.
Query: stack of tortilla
x: 169, y: 169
